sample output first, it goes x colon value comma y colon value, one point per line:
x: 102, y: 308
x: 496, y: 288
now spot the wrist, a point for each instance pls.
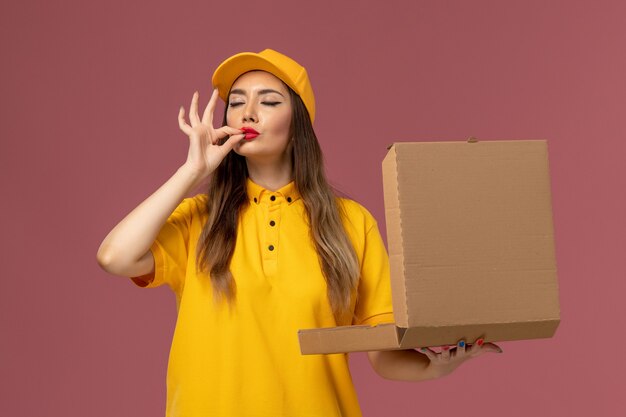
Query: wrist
x: 440, y: 370
x: 190, y: 176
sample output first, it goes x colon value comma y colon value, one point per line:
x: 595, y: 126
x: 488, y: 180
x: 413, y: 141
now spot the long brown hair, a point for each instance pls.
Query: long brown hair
x: 227, y: 196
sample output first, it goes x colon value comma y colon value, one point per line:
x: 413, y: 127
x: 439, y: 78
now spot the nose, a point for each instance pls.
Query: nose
x: 249, y: 114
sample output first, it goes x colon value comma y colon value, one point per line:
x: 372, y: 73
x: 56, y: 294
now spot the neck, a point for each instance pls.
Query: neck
x: 271, y: 175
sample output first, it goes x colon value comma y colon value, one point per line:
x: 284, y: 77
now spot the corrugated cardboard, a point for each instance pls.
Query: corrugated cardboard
x: 471, y: 248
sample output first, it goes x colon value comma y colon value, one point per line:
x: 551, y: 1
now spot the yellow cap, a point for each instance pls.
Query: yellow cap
x: 283, y: 67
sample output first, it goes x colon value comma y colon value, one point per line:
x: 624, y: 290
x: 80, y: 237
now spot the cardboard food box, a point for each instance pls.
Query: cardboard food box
x: 471, y: 248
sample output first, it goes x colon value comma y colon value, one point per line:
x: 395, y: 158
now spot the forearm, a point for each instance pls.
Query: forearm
x: 403, y: 365
x: 132, y: 237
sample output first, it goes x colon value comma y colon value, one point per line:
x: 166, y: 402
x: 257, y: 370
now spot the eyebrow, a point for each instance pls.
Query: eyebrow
x: 265, y: 91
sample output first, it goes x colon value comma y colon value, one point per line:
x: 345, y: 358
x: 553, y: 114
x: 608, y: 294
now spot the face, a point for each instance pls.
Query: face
x: 261, y: 101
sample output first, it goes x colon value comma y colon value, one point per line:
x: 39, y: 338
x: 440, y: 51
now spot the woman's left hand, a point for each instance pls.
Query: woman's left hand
x: 448, y: 359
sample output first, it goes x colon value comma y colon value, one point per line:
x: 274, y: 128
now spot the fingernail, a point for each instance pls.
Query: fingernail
x: 423, y: 349
x: 446, y: 348
x: 461, y: 343
x: 480, y: 342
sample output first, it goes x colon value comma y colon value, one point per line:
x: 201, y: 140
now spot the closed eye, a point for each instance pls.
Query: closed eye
x: 268, y: 103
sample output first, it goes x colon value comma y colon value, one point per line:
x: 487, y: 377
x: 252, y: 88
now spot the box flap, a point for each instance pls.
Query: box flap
x: 470, y: 224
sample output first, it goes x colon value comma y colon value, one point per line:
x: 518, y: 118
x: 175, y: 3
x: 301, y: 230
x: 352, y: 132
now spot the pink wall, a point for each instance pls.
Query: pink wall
x: 89, y: 98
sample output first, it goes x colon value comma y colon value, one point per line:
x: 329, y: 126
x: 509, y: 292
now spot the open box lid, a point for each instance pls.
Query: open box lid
x: 471, y: 247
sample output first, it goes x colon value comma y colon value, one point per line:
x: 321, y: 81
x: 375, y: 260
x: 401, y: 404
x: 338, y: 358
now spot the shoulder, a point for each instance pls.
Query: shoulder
x: 356, y: 214
x: 198, y: 200
x: 191, y: 207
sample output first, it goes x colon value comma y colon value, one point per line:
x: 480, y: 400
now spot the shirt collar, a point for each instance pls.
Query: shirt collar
x: 257, y: 194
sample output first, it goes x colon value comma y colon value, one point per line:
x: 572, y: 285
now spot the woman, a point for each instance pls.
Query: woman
x: 268, y: 250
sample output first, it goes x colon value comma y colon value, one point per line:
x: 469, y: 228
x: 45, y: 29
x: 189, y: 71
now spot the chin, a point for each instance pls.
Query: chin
x: 244, y: 149
x: 253, y: 148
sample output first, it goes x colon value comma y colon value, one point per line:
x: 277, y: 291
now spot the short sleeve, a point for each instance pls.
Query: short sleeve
x: 373, y: 305
x: 170, y: 250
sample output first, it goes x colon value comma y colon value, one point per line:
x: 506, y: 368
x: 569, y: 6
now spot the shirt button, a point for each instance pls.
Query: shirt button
x: 273, y: 198
x: 272, y: 223
x: 271, y: 247
x: 289, y: 199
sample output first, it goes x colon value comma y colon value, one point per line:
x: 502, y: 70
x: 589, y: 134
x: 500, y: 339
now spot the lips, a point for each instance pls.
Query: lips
x: 250, y: 133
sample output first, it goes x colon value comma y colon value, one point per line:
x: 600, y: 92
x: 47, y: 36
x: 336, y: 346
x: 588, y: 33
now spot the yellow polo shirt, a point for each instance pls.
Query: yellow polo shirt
x: 246, y: 362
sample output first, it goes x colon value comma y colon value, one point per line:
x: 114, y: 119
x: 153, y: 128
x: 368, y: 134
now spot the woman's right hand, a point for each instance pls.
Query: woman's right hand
x: 205, y: 153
